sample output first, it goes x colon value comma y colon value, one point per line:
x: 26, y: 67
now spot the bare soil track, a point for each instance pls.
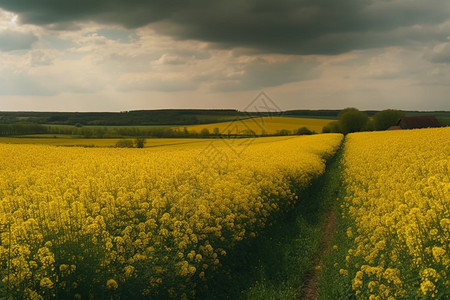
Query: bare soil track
x: 330, y: 191
x: 310, y: 291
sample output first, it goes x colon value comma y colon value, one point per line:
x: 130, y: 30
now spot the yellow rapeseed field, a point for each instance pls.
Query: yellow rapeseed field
x: 398, y: 208
x: 91, y: 223
x: 262, y: 125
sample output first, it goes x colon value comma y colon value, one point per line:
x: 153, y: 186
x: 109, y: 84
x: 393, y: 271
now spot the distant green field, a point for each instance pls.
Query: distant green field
x: 436, y: 114
x: 444, y: 121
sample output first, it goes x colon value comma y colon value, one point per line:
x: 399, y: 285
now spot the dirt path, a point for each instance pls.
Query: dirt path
x: 328, y: 193
x: 309, y: 291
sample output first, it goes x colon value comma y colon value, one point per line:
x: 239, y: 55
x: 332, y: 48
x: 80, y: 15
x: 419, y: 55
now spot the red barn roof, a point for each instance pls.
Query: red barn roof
x: 418, y: 122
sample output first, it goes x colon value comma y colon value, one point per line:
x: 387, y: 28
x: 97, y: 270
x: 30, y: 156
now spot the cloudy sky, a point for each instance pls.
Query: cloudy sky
x: 115, y: 55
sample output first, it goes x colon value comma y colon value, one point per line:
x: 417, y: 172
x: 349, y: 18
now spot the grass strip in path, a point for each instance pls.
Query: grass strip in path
x: 281, y: 262
x: 327, y: 195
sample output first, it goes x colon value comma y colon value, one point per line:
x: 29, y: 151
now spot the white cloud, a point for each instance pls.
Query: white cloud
x: 168, y: 82
x: 42, y: 57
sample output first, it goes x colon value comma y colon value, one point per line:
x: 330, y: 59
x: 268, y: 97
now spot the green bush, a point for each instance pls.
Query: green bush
x: 304, y: 131
x: 370, y: 126
x: 332, y: 127
x: 124, y: 144
x: 204, y: 132
x: 283, y: 132
x: 139, y: 142
x: 352, y: 120
x: 387, y: 118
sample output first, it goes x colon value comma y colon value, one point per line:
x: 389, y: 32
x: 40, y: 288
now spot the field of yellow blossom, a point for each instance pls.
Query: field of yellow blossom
x: 262, y: 125
x: 97, y: 223
x: 394, y: 237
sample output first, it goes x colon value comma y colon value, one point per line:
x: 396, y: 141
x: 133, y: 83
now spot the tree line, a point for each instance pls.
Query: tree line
x: 125, y: 118
x: 120, y: 132
x: 353, y: 120
x: 349, y: 120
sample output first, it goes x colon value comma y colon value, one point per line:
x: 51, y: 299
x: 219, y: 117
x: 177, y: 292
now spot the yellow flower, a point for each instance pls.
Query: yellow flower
x: 159, y: 209
x: 438, y: 253
x: 426, y: 287
x: 112, y: 284
x: 397, y: 190
x: 46, y: 283
x: 63, y: 267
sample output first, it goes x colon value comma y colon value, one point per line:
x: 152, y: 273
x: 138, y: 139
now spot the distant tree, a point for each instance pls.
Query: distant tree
x: 216, y: 131
x: 284, y: 132
x: 370, y: 126
x: 304, y: 131
x: 86, y: 132
x: 100, y: 132
x: 204, y: 132
x: 139, y: 142
x: 248, y: 132
x: 124, y: 144
x: 332, y: 127
x: 168, y: 132
x: 352, y: 120
x: 19, y: 129
x: 78, y: 125
x: 387, y: 118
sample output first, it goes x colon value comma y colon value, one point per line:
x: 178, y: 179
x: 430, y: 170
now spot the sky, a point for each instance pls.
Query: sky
x: 117, y: 55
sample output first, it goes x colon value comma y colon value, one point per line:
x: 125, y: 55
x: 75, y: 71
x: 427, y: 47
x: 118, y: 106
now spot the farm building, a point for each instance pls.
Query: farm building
x: 416, y: 122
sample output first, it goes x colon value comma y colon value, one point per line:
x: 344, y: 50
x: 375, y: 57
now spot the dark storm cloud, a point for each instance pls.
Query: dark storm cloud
x: 131, y: 13
x: 285, y: 26
x: 261, y: 73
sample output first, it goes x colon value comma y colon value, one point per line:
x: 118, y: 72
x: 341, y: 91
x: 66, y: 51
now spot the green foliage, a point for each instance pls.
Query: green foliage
x: 370, y: 126
x: 387, y: 118
x: 304, y: 131
x: 332, y: 127
x: 87, y: 132
x: 352, y: 120
x: 282, y: 256
x: 124, y: 144
x: 444, y: 121
x: 20, y: 128
x: 129, y: 118
x: 139, y: 142
x: 204, y: 132
x: 283, y: 132
x: 248, y: 132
